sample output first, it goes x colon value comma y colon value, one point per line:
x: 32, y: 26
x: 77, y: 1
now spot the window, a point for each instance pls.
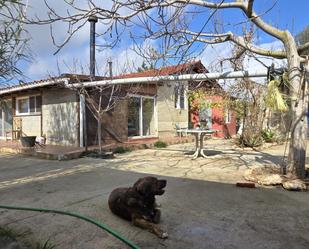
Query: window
x: 180, y: 97
x: 29, y: 105
x: 227, y: 116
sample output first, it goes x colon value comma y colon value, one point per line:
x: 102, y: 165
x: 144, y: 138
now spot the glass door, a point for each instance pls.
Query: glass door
x: 148, y: 117
x: 6, y: 118
x: 1, y: 123
x: 141, y: 118
x: 134, y: 116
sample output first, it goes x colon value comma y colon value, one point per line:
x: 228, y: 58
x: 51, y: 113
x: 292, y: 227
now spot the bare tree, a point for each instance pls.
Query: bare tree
x: 302, y: 38
x: 170, y: 22
x: 13, y: 40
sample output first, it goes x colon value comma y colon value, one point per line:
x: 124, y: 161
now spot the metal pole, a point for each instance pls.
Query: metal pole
x: 93, y: 20
x: 110, y: 67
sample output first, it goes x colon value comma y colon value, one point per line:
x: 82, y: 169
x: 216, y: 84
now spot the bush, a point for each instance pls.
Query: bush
x: 268, y: 135
x: 160, y: 144
x: 251, y: 140
x: 121, y: 150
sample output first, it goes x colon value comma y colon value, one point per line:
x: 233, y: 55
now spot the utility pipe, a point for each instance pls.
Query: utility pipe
x: 174, y: 78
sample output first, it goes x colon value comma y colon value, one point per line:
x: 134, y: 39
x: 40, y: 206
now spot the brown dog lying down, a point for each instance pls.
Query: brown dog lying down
x: 138, y: 204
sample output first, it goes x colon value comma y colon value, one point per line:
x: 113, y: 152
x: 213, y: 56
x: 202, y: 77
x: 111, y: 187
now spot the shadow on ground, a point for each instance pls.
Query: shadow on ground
x: 196, y: 213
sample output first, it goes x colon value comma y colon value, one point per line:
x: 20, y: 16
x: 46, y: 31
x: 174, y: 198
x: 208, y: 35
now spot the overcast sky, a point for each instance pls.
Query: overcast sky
x: 74, y: 57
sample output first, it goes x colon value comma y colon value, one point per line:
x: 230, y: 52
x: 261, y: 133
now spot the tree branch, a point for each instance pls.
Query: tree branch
x: 240, y: 41
x: 303, y: 47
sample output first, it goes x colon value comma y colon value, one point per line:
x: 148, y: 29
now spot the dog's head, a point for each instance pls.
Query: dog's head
x: 150, y: 186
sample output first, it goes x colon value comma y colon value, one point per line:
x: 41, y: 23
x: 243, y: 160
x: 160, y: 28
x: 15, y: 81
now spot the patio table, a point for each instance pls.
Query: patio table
x: 199, y: 140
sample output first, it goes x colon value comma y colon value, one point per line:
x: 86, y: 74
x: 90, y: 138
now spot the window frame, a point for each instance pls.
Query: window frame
x: 227, y: 116
x: 179, y: 89
x: 18, y: 113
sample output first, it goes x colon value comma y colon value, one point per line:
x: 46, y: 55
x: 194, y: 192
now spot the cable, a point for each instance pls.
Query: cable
x: 79, y: 216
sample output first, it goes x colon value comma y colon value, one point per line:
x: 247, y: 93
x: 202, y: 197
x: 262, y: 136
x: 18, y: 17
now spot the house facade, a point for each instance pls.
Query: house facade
x: 53, y: 109
x: 221, y: 119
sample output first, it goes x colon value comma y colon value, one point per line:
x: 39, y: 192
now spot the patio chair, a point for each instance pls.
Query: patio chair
x: 180, y: 130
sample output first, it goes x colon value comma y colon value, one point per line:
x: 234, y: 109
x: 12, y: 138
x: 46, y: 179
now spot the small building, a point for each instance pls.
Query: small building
x: 53, y: 109
x: 220, y: 118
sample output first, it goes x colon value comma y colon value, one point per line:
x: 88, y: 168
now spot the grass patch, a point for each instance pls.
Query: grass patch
x: 160, y: 144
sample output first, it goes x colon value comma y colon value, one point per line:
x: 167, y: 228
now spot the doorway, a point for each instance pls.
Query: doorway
x: 6, y: 117
x: 141, y: 116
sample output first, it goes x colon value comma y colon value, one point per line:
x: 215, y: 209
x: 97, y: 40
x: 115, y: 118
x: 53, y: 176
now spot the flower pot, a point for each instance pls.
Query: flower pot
x: 28, y: 141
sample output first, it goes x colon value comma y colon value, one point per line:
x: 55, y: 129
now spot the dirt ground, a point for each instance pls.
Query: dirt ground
x: 201, y: 208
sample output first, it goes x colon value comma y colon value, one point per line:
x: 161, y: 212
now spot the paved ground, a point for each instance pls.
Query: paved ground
x: 202, y: 208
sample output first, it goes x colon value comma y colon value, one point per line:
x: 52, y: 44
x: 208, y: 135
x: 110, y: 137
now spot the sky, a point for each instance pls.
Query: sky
x: 74, y: 56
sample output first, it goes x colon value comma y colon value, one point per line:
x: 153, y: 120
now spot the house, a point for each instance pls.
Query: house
x: 53, y: 109
x: 219, y: 118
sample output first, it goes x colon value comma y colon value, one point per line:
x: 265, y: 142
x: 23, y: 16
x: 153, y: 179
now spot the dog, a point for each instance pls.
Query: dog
x: 138, y: 204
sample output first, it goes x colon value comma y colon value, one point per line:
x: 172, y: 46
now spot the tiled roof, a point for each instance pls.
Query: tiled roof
x: 32, y: 84
x: 195, y: 66
x: 187, y: 68
x: 72, y: 78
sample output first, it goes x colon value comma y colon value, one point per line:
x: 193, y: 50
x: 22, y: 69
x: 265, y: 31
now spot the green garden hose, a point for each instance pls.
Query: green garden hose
x: 88, y: 219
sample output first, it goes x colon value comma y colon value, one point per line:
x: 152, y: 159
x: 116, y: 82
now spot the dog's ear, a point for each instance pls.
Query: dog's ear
x: 143, y: 187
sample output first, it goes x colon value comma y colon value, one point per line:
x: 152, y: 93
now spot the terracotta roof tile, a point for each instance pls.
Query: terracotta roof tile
x: 195, y: 66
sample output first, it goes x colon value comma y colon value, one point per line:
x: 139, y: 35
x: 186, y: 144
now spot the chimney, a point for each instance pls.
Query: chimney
x: 110, y: 67
x: 92, y: 20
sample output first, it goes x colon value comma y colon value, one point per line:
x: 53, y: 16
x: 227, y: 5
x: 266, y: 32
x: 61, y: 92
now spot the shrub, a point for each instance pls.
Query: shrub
x: 253, y: 140
x: 268, y: 135
x: 160, y: 144
x: 250, y: 139
x: 121, y: 150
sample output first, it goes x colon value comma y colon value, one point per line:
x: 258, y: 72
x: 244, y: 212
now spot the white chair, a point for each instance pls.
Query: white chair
x: 180, y: 130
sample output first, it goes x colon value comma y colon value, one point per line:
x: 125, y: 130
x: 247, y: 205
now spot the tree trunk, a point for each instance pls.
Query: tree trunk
x: 298, y: 111
x: 100, y: 123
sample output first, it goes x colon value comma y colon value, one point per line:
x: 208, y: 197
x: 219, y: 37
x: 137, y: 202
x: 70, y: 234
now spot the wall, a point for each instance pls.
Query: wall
x: 31, y: 125
x: 224, y: 130
x: 114, y: 125
x: 60, y: 114
x: 167, y: 114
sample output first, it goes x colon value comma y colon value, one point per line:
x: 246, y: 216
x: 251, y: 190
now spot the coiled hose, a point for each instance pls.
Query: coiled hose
x: 79, y: 216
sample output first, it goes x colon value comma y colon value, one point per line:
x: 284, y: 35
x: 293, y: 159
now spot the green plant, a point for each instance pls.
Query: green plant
x: 121, y: 150
x: 268, y: 135
x: 252, y: 140
x: 160, y: 144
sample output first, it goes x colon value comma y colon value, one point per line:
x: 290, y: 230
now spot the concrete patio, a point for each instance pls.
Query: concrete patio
x: 57, y: 152
x: 202, y: 208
